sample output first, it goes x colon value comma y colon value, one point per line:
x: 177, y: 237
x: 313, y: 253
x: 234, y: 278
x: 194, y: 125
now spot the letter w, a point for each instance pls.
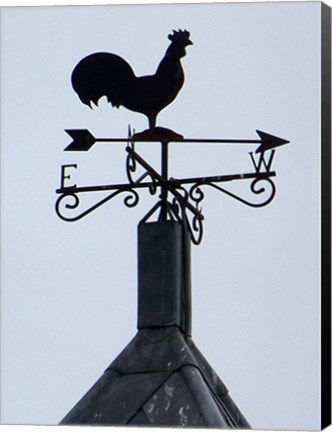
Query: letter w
x: 262, y: 162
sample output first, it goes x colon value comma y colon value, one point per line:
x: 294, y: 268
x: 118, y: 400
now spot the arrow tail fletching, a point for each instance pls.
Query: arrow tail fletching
x: 83, y: 140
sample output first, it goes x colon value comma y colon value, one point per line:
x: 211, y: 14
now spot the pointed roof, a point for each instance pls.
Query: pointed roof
x: 160, y: 378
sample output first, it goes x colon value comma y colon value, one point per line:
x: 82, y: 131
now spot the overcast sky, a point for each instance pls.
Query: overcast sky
x: 69, y: 290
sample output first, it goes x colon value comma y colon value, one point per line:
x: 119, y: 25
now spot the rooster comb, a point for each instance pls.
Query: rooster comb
x: 179, y: 35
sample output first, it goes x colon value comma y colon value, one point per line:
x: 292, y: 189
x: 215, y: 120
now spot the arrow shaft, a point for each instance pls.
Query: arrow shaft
x: 217, y: 141
x: 183, y: 141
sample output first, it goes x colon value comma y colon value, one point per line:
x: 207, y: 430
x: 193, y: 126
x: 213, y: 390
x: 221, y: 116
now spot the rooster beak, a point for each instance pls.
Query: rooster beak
x: 189, y: 42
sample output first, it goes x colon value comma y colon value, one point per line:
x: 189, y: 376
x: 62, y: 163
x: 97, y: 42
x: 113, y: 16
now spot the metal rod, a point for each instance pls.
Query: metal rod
x: 145, y: 165
x: 101, y: 188
x: 183, y: 140
x: 222, y: 178
x: 164, y: 182
x: 164, y: 174
x: 173, y: 182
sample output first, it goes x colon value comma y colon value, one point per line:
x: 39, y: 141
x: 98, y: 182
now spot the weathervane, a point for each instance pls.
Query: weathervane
x: 179, y: 199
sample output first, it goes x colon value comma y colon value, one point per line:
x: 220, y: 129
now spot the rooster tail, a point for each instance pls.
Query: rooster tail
x: 102, y: 74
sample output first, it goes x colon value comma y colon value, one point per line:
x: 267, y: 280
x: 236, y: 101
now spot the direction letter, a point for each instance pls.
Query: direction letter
x: 64, y: 176
x: 267, y: 163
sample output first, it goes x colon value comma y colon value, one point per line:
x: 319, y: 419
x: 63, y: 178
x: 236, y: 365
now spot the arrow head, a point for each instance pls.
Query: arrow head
x: 83, y: 140
x: 269, y: 141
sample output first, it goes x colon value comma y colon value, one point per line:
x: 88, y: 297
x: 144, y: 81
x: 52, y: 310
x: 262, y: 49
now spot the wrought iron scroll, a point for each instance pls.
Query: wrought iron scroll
x: 268, y: 195
x: 179, y: 199
x: 131, y: 200
x: 131, y: 168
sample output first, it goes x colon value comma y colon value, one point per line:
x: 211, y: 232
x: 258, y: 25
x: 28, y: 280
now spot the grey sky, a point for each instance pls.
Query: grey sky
x: 69, y: 290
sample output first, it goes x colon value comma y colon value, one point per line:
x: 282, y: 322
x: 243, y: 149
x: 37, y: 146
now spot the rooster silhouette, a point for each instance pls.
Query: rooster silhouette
x: 105, y: 74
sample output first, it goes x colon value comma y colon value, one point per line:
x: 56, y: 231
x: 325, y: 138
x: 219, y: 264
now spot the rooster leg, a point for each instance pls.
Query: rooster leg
x: 152, y: 122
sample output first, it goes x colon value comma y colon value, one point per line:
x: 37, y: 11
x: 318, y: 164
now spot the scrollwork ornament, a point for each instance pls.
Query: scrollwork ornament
x: 131, y: 200
x: 62, y: 204
x: 176, y: 209
x: 194, y: 223
x: 197, y: 224
x: 196, y: 194
x: 131, y: 167
x: 153, y: 186
x: 261, y: 190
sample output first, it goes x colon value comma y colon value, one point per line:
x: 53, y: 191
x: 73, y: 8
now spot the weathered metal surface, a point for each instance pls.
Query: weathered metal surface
x: 139, y: 419
x: 210, y: 375
x: 220, y: 390
x: 160, y: 378
x: 234, y: 412
x: 115, y: 399
x: 212, y: 414
x: 163, y: 289
x: 173, y: 404
x: 164, y: 349
x: 82, y: 412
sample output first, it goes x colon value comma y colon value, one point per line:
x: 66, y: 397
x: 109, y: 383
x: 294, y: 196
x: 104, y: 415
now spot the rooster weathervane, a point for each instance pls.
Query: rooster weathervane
x: 106, y: 74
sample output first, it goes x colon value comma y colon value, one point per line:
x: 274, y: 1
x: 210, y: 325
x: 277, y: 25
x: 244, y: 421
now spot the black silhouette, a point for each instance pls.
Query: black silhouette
x: 105, y: 74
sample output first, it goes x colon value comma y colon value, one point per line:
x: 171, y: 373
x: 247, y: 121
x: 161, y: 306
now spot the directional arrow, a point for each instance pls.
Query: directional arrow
x: 269, y: 142
x: 83, y: 140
